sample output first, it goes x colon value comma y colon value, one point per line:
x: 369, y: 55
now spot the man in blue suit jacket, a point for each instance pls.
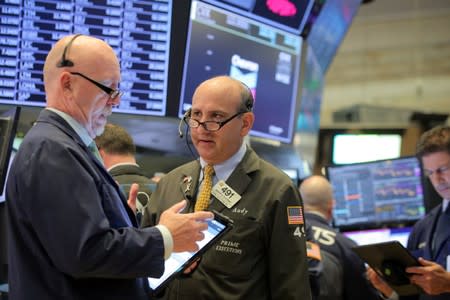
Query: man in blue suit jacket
x: 317, y: 195
x: 71, y: 232
x: 430, y: 237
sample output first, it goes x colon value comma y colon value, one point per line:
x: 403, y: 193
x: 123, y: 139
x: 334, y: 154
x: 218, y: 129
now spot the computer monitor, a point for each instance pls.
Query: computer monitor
x: 327, y: 30
x: 266, y: 58
x: 8, y: 127
x: 293, y: 175
x: 373, y: 194
x: 308, y: 121
x: 287, y: 15
x: 350, y: 148
x: 379, y: 235
x: 138, y: 31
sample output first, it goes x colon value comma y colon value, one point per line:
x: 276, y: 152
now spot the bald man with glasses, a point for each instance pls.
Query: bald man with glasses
x: 72, y: 234
x: 264, y: 255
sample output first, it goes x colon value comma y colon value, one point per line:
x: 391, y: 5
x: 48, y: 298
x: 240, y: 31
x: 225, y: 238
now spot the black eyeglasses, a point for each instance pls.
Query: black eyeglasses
x: 438, y: 171
x: 210, y: 125
x: 111, y: 92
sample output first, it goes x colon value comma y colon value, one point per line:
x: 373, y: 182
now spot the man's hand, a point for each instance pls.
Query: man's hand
x: 186, y: 229
x: 379, y: 283
x: 431, y: 277
x: 132, y: 196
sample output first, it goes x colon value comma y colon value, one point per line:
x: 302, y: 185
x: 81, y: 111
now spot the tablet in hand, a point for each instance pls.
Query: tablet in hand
x: 179, y: 261
x: 389, y: 260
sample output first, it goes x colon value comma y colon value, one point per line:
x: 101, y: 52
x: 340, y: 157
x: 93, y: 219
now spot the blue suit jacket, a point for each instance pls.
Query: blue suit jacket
x: 72, y: 235
x: 420, y: 241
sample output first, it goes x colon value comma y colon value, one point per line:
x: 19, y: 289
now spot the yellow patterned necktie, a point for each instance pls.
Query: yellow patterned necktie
x: 204, y: 196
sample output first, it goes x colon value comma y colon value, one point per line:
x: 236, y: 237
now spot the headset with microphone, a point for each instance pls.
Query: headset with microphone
x: 186, y: 115
x: 249, y: 102
x: 183, y: 119
x: 249, y: 98
x: 67, y: 62
x: 248, y: 106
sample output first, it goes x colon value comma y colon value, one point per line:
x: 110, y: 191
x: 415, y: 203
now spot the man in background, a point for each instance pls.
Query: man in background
x: 430, y: 237
x: 317, y: 195
x: 118, y: 152
x: 325, y: 271
x: 264, y: 256
x: 71, y: 232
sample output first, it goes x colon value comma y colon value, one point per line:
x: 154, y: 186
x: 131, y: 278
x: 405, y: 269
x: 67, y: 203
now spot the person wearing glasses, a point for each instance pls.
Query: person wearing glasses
x: 264, y: 255
x: 429, y: 240
x: 71, y: 232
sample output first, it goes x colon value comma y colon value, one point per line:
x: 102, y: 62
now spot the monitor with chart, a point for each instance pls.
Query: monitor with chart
x: 373, y: 194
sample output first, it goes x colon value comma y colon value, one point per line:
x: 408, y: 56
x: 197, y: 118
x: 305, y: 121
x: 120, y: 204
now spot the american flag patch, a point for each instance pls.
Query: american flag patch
x: 295, y: 215
x: 313, y: 250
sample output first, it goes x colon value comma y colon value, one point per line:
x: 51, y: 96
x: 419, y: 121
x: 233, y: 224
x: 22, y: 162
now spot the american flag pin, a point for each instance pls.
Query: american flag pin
x: 187, y: 179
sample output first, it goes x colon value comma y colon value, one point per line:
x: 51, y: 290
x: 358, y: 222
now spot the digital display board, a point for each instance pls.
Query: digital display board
x: 289, y: 15
x: 306, y: 137
x: 380, y: 235
x: 377, y: 193
x: 139, y: 32
x: 265, y: 58
x: 330, y: 27
x: 8, y: 128
x: 348, y: 148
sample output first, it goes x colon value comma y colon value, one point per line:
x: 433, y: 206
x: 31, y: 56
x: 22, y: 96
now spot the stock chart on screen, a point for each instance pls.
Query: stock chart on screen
x: 377, y: 193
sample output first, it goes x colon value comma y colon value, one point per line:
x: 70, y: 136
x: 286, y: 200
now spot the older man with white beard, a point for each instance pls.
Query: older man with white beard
x: 71, y: 232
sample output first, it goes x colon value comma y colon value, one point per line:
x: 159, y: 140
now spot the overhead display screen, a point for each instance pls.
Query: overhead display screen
x: 139, y: 32
x: 290, y: 15
x: 265, y: 58
x: 374, y: 194
x: 348, y: 148
x: 329, y: 29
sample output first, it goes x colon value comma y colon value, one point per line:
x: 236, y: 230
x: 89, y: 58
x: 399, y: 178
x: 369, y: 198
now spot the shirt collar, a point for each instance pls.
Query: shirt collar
x: 122, y: 164
x: 79, y: 129
x: 318, y: 213
x: 223, y: 171
x: 445, y: 203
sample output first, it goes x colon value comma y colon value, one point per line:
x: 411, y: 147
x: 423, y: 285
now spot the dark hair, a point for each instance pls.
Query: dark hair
x: 247, y: 99
x: 434, y: 140
x: 116, y: 140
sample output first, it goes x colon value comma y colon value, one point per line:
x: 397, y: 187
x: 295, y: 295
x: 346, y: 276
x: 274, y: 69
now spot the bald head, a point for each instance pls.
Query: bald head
x: 224, y: 99
x: 87, y: 53
x: 317, y: 194
x: 231, y: 89
x: 81, y: 79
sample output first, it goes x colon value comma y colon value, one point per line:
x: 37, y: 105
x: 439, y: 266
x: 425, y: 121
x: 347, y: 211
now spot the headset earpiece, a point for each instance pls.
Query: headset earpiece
x: 186, y: 115
x: 249, y: 101
x: 67, y: 62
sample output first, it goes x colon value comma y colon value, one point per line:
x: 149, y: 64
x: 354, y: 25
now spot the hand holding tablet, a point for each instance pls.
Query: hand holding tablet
x: 186, y: 228
x: 389, y: 260
x: 179, y: 261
